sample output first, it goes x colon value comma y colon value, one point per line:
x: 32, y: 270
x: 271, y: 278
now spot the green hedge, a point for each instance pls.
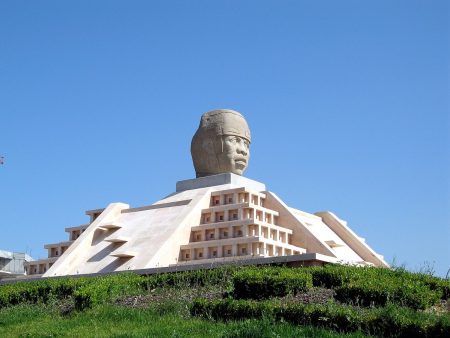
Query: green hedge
x: 101, y: 289
x: 354, y: 285
x: 432, y: 282
x: 105, y: 288
x: 371, y: 292
x: 216, y: 276
x: 332, y: 276
x: 94, y: 290
x: 39, y: 291
x: 379, y: 286
x: 391, y: 321
x: 364, y: 286
x: 261, y: 283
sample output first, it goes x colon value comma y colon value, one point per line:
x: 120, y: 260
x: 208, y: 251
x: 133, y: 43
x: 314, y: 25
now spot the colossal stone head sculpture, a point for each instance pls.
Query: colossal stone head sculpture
x: 221, y: 143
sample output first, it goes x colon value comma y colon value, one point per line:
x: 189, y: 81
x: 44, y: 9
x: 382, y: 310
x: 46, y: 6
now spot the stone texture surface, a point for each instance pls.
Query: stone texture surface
x: 213, y: 180
x: 123, y: 238
x: 221, y: 143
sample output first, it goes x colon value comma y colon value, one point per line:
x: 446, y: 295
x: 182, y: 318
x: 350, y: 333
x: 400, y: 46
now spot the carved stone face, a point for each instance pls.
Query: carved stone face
x: 235, y: 155
x: 221, y: 143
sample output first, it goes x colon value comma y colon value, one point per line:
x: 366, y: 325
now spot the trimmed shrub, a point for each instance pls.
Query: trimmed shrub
x: 101, y: 289
x: 354, y: 285
x: 39, y: 291
x: 216, y: 276
x: 434, y: 283
x: 371, y: 286
x: 229, y: 309
x: 380, y: 292
x: 392, y: 321
x: 264, y: 283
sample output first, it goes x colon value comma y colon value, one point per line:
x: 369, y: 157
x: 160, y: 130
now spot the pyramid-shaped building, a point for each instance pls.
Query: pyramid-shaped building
x: 217, y: 218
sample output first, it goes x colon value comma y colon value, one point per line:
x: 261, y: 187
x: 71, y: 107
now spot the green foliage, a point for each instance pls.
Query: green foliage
x: 117, y: 321
x: 101, y: 289
x: 216, y: 276
x: 268, y: 328
x: 434, y: 283
x: 96, y: 290
x: 379, y: 286
x: 353, y: 285
x: 228, y: 309
x: 39, y: 291
x: 266, y: 282
x: 392, y: 321
x: 371, y: 292
x: 386, y: 302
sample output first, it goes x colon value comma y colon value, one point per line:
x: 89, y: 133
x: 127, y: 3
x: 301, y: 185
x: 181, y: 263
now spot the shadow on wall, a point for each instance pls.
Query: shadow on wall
x: 117, y: 263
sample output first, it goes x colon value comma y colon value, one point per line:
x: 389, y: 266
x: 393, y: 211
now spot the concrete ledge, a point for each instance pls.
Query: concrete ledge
x: 157, y: 206
x: 78, y: 227
x: 94, y: 211
x: 220, y: 179
x: 56, y: 245
x: 43, y: 261
x: 308, y: 259
x: 8, y: 275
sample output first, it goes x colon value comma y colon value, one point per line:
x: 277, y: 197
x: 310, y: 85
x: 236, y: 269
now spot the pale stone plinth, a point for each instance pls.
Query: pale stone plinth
x: 220, y: 179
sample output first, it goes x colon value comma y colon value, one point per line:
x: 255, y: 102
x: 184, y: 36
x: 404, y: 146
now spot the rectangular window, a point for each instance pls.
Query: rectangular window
x: 200, y: 254
x: 229, y: 252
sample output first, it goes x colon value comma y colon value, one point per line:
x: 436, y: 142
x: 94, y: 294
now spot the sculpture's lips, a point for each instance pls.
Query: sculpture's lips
x: 240, y: 160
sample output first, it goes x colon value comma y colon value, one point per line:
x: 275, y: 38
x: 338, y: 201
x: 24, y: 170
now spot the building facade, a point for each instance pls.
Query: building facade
x: 215, y: 219
x: 56, y: 250
x: 12, y: 264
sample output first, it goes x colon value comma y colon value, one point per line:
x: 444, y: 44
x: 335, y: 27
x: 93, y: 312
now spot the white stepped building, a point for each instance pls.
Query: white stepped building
x: 212, y: 219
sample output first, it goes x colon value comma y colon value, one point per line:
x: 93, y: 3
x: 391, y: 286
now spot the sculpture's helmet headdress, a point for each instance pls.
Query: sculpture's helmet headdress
x: 207, y: 143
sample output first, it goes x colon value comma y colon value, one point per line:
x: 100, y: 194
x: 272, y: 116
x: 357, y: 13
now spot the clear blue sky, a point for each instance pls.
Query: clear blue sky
x: 348, y: 103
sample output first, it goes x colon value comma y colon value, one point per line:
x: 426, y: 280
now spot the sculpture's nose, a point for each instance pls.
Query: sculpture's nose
x: 242, y: 148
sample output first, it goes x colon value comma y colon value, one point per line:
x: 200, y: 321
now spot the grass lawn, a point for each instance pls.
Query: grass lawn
x: 245, y: 301
x: 119, y: 321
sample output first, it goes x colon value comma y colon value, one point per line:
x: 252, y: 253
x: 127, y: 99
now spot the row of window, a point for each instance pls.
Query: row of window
x: 227, y: 252
x: 233, y: 216
x: 55, y: 252
x: 241, y: 197
x: 198, y: 237
x: 38, y: 269
x: 223, y: 233
x: 75, y: 234
x: 241, y: 250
